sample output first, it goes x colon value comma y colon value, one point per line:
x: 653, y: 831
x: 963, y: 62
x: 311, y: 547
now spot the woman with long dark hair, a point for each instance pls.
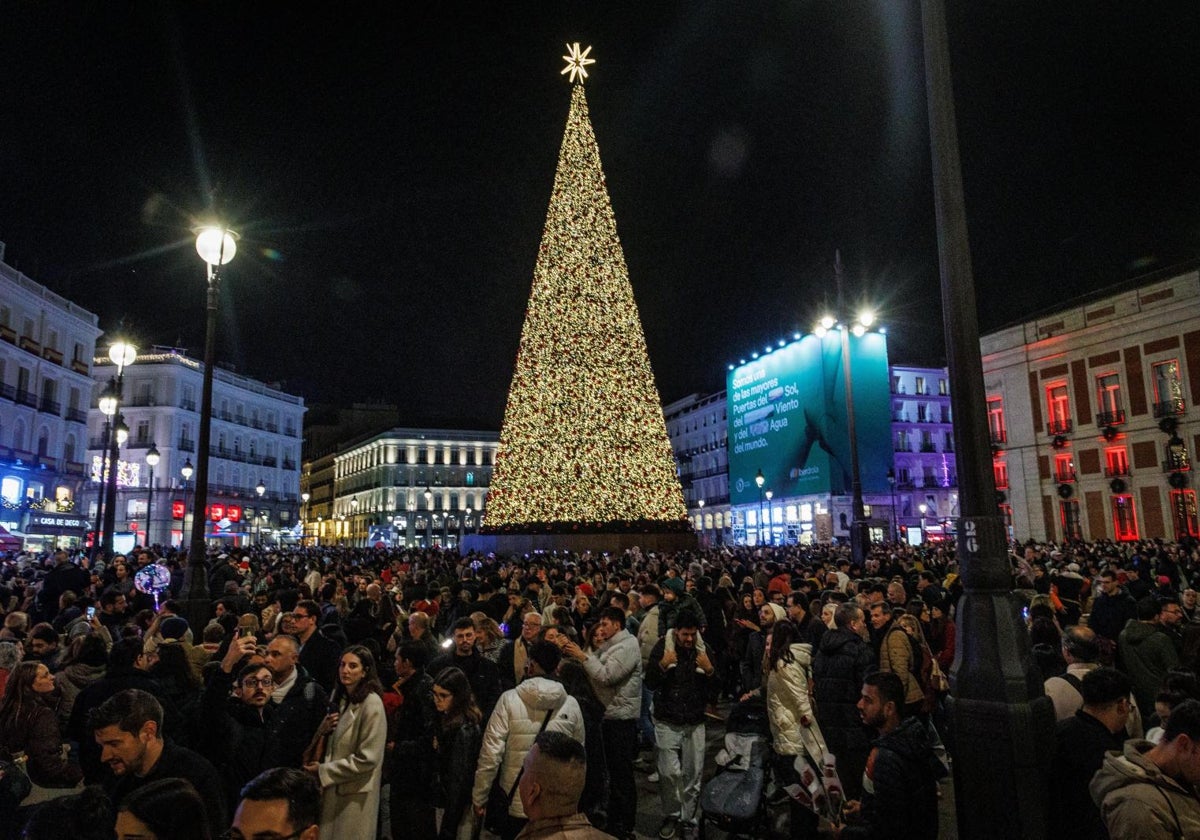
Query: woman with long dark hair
x: 456, y: 745
x: 356, y: 734
x: 594, y: 800
x: 175, y: 676
x: 28, y: 725
x: 167, y: 808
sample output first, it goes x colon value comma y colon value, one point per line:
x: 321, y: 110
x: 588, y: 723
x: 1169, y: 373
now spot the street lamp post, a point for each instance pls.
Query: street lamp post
x: 429, y: 519
x: 304, y: 497
x: 108, y: 407
x: 923, y: 508
x: 354, y: 519
x: 703, y: 532
x: 259, y: 490
x: 895, y: 525
x: 760, y: 480
x: 216, y: 247
x: 770, y: 518
x: 122, y: 354
x: 152, y: 458
x: 186, y: 471
x: 1000, y: 715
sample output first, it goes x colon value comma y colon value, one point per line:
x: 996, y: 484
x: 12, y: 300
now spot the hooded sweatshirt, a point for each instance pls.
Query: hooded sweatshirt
x: 1137, y: 800
x: 512, y: 729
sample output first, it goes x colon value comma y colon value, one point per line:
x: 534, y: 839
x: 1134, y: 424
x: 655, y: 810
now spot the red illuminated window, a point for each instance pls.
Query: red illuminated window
x: 1183, y: 512
x: 1000, y: 473
x: 216, y: 512
x: 1108, y: 400
x: 1124, y: 518
x: 1116, y: 462
x: 1064, y: 468
x: 1058, y: 408
x: 1069, y: 516
x: 233, y: 513
x: 177, y: 510
x: 995, y: 411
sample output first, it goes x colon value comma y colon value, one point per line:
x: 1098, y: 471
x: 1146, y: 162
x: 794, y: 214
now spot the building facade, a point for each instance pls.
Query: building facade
x: 409, y: 487
x: 1093, y: 418
x: 924, y: 477
x: 46, y: 349
x: 698, y: 429
x: 256, y: 439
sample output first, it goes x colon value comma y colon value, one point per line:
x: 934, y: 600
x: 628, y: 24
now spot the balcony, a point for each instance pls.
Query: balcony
x: 1117, y: 471
x: 27, y: 343
x: 289, y: 465
x: 187, y: 405
x: 8, y: 392
x: 79, y: 366
x: 48, y: 406
x: 269, y: 461
x: 1110, y: 418
x: 928, y: 447
x: 52, y: 355
x: 26, y: 398
x: 1177, y: 463
x: 76, y: 415
x: 186, y: 445
x: 1059, y: 427
x: 8, y: 334
x: 1169, y: 408
x: 1064, y: 476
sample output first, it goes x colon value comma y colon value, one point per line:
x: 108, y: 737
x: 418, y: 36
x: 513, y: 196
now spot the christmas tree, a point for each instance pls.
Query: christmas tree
x: 583, y: 445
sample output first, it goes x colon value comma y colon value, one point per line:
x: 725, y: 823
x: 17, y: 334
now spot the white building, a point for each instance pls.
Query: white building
x: 46, y: 348
x: 256, y: 437
x: 1093, y: 418
x: 410, y: 487
x: 925, y: 493
x: 697, y: 427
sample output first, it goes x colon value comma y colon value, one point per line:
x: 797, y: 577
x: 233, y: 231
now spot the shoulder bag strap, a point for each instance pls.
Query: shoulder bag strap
x: 512, y: 791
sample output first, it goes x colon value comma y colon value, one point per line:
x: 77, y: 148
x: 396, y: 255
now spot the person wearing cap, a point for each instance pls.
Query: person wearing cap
x: 538, y: 703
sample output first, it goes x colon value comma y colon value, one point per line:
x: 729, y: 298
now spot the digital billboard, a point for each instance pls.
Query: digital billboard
x: 787, y: 418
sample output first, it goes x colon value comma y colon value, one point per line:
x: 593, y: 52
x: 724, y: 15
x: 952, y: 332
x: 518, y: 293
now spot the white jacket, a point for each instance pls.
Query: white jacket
x: 789, y: 706
x: 615, y: 671
x: 512, y: 728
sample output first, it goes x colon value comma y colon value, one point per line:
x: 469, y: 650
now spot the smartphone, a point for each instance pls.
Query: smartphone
x: 91, y: 613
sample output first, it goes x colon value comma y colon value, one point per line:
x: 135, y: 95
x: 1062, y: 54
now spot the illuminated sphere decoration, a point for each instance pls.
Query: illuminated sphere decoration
x: 583, y: 447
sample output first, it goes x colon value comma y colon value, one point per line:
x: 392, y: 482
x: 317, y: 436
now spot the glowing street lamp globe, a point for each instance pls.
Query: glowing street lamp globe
x: 216, y: 246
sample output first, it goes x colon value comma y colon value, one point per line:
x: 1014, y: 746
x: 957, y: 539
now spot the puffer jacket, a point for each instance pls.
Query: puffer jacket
x: 1137, y: 800
x: 650, y: 630
x: 511, y: 731
x: 790, y: 710
x: 901, y: 799
x: 896, y: 656
x: 839, y: 665
x: 72, y: 680
x: 1146, y: 654
x: 615, y: 671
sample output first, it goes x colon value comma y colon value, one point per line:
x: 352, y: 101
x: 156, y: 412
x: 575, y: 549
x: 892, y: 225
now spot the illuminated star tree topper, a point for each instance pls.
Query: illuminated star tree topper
x: 577, y: 62
x: 584, y: 445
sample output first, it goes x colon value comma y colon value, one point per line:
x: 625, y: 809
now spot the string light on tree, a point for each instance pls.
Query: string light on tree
x: 584, y: 445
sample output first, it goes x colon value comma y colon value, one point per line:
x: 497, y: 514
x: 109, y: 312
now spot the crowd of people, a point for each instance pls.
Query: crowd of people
x: 343, y: 692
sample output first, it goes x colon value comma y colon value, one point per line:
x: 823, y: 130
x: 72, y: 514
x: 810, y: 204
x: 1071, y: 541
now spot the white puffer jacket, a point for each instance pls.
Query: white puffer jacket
x: 512, y: 728
x: 790, y: 709
x: 615, y: 671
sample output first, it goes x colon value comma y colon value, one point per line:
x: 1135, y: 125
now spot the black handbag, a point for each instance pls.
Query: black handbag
x: 495, y: 818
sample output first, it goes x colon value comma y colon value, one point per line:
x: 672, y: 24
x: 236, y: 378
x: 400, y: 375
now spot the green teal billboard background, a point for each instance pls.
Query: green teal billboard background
x: 787, y: 417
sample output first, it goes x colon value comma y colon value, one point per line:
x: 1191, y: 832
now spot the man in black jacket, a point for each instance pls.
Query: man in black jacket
x: 64, y: 577
x: 407, y: 762
x: 1080, y: 743
x: 903, y: 771
x: 300, y: 702
x: 678, y: 674
x: 319, y: 655
x: 839, y: 667
x: 242, y: 740
x: 482, y: 672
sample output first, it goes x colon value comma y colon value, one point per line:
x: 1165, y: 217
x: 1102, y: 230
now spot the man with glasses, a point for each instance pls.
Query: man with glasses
x: 515, y: 653
x: 1146, y: 653
x: 238, y: 719
x: 279, y: 804
x: 318, y: 655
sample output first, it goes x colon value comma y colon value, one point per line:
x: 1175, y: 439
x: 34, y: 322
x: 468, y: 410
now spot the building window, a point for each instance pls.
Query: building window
x: 1058, y: 409
x: 902, y: 444
x: 1108, y: 400
x: 1064, y: 468
x: 1168, y: 389
x: 1000, y: 473
x: 470, y: 479
x: 995, y: 412
x: 1124, y: 518
x: 1116, y: 462
x: 943, y: 390
x: 1183, y: 512
x: 10, y: 490
x: 1069, y: 514
x: 921, y: 385
x: 143, y: 432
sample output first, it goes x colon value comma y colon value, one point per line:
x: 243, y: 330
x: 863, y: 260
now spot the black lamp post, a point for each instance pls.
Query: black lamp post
x: 108, y: 407
x: 1001, y: 718
x: 122, y: 354
x: 259, y: 490
x: 152, y: 458
x: 760, y: 480
x: 770, y: 518
x: 216, y: 247
x: 895, y: 524
x: 186, y: 471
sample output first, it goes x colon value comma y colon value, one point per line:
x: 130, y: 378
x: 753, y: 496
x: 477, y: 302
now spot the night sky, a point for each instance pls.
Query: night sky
x: 390, y: 171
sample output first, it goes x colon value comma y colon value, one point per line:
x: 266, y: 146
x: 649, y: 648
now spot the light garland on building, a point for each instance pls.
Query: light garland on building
x: 584, y: 445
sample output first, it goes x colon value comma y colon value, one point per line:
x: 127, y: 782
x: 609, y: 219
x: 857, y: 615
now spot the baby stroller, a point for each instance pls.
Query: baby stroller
x: 734, y: 799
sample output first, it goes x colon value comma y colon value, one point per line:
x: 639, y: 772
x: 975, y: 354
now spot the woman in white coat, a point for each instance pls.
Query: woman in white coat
x: 797, y: 741
x: 351, y: 770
